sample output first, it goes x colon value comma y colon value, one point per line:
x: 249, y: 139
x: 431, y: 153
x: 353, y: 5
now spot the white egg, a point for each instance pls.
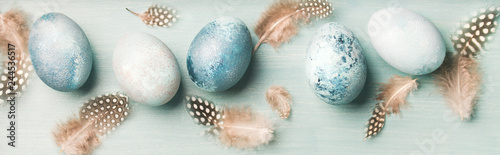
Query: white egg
x: 146, y: 69
x: 406, y: 40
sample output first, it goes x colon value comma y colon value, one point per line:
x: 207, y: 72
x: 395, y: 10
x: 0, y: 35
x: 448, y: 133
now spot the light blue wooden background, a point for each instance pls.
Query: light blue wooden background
x: 313, y: 128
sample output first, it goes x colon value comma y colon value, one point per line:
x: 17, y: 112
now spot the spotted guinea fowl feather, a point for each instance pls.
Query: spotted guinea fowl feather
x: 469, y: 40
x: 236, y: 127
x: 97, y: 117
x: 157, y: 16
x: 14, y: 33
x: 280, y: 22
x: 202, y: 111
x: 391, y: 99
x: 376, y: 122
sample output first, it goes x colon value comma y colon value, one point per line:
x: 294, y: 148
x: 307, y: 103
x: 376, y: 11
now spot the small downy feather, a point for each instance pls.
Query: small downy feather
x: 392, y: 98
x: 14, y: 33
x: 280, y: 100
x: 469, y: 40
x: 236, y: 127
x: 460, y: 81
x: 158, y: 16
x: 280, y: 22
x: 97, y: 117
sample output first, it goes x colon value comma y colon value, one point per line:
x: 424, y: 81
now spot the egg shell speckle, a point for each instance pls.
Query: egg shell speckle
x: 406, y: 40
x: 335, y: 65
x: 60, y: 52
x: 146, y: 69
x: 219, y: 54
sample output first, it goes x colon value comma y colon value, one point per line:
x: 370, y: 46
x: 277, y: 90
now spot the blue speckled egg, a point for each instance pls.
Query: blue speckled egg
x: 335, y: 65
x: 220, y: 54
x: 146, y: 69
x: 60, y: 52
x: 406, y: 40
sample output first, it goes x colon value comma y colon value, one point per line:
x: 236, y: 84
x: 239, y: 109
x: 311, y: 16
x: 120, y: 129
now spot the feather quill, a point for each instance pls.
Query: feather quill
x: 280, y: 22
x: 459, y: 76
x: 460, y: 81
x: 391, y: 99
x: 14, y: 34
x: 157, y: 16
x: 97, y: 117
x: 280, y: 100
x: 237, y: 127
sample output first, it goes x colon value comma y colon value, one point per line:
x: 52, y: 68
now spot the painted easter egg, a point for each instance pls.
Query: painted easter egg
x: 219, y: 54
x: 60, y: 52
x: 335, y: 65
x: 406, y: 40
x: 146, y: 69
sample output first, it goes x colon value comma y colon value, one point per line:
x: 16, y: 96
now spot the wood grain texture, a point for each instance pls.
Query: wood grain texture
x: 314, y: 127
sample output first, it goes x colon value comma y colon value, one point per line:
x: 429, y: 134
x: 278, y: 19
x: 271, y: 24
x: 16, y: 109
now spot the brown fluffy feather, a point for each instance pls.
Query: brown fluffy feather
x: 394, y: 93
x: 280, y: 100
x: 14, y: 34
x: 460, y: 81
x: 83, y: 139
x: 14, y: 29
x: 280, y: 22
x: 243, y: 129
x: 392, y: 98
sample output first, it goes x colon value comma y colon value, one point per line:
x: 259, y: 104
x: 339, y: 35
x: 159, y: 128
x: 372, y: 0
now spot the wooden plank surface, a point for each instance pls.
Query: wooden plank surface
x: 313, y: 128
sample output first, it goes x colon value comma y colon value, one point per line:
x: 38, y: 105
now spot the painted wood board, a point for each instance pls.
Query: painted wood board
x: 314, y: 126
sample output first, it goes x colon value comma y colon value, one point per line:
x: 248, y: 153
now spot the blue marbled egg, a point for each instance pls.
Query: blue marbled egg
x: 219, y: 54
x: 335, y: 65
x: 60, y: 52
x: 406, y: 40
x: 146, y: 69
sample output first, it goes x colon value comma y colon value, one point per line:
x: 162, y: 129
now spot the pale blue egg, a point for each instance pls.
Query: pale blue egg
x: 220, y: 54
x: 335, y: 66
x: 406, y: 40
x: 60, y: 52
x: 146, y: 69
